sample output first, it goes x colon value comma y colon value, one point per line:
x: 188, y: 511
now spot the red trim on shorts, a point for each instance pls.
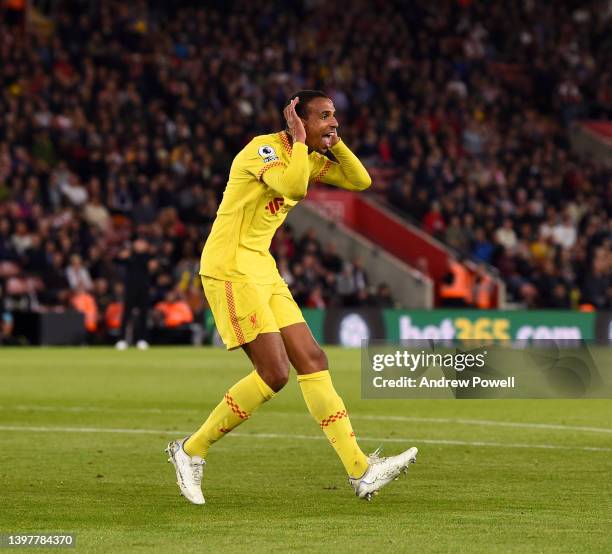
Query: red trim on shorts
x: 229, y: 296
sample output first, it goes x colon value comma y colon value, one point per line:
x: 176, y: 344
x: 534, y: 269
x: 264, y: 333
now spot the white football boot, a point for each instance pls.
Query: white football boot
x: 381, y: 471
x: 121, y: 345
x: 189, y: 471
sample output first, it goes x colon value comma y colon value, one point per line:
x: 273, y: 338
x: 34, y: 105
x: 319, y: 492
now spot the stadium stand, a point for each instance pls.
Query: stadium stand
x: 120, y: 120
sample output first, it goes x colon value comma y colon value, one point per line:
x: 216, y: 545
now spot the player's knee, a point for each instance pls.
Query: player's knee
x: 276, y: 375
x: 317, y: 360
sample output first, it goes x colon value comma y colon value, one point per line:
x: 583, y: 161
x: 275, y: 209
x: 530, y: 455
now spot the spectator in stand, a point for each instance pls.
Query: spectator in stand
x: 56, y: 286
x: 85, y: 303
x: 433, y: 222
x: 360, y: 276
x: 456, y: 236
x: 482, y: 249
x: 330, y: 260
x: 505, y: 236
x: 315, y: 298
x: 113, y: 314
x: 173, y: 319
x: 384, y: 298
x: 22, y: 238
x: 346, y: 287
x: 78, y: 275
x: 95, y: 213
x: 597, y: 287
x: 564, y: 233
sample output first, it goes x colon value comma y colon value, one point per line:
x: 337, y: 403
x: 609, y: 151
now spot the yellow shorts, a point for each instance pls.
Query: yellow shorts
x: 244, y: 310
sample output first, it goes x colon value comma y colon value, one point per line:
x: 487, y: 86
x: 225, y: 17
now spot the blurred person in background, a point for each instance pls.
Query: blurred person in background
x: 113, y: 314
x: 172, y: 319
x: 83, y: 301
x: 77, y: 274
x: 135, y: 261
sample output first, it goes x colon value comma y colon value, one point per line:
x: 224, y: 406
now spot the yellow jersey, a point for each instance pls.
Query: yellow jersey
x: 268, y: 177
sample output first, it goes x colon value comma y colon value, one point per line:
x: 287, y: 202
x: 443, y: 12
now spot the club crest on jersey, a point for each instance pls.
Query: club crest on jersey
x: 267, y: 153
x: 274, y: 205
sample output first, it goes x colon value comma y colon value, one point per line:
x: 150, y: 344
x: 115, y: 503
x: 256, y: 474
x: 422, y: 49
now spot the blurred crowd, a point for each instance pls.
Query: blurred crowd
x: 476, y: 143
x: 119, y: 121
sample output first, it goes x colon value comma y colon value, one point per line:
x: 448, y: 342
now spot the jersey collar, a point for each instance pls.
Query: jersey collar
x: 287, y: 142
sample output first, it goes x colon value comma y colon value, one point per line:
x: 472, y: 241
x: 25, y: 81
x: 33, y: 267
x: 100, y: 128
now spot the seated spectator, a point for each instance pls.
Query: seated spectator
x: 95, y: 213
x: 505, y: 236
x: 84, y: 302
x: 22, y: 238
x: 77, y: 274
x: 564, y: 232
x: 482, y: 249
x: 384, y: 298
x: 315, y: 298
x: 346, y: 287
x: 113, y: 316
x: 74, y: 191
x: 34, y: 259
x: 359, y: 274
x: 455, y: 235
x: 433, y: 222
x: 330, y: 259
x: 173, y: 319
x: 597, y: 284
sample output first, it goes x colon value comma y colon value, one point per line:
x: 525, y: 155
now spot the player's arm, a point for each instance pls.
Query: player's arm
x: 349, y: 173
x: 291, y: 180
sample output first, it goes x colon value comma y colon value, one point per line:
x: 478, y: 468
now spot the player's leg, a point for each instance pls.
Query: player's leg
x: 367, y: 475
x: 324, y: 403
x: 321, y: 397
x: 244, y: 319
x: 271, y: 373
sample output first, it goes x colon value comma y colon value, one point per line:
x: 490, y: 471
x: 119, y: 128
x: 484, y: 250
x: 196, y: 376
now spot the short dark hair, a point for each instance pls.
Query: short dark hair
x: 305, y: 97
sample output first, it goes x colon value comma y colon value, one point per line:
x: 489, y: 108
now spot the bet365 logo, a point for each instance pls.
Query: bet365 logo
x: 275, y: 205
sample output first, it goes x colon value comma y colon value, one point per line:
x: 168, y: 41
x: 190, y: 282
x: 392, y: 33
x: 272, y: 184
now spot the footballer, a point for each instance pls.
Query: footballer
x: 252, y: 305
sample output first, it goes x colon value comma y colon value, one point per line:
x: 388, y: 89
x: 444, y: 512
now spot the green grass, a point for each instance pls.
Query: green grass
x: 287, y: 493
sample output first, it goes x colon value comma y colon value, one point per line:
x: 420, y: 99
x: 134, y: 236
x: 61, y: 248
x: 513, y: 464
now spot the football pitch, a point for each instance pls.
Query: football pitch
x: 84, y: 429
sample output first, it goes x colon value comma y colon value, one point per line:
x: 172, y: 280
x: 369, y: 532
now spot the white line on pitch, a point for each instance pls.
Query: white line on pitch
x: 28, y: 429
x: 415, y: 419
x: 487, y: 422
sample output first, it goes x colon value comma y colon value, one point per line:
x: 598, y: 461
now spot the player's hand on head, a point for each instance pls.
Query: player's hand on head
x: 294, y: 123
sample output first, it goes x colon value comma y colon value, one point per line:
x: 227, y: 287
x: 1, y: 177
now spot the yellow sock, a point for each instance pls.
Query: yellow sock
x: 239, y: 403
x: 330, y: 413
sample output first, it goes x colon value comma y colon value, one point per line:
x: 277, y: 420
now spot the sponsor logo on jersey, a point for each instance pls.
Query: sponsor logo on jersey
x: 274, y: 205
x: 267, y: 153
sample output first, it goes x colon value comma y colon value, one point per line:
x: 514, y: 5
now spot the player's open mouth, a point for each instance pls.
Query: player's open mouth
x: 327, y: 138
